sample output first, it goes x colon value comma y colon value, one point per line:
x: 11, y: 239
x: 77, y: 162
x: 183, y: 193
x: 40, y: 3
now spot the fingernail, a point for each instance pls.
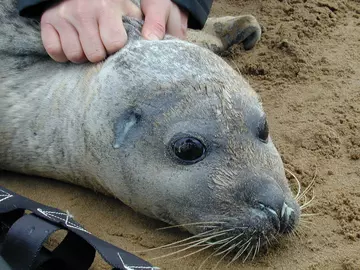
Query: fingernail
x: 152, y: 36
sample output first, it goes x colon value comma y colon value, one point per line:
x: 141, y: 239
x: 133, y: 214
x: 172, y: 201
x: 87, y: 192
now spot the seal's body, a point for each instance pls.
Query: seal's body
x: 165, y: 126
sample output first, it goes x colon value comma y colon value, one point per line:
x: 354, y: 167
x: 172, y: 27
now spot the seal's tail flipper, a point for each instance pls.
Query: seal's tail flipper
x: 219, y: 34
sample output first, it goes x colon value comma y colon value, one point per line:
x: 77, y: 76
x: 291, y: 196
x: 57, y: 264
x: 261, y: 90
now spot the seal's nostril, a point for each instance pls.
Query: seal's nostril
x: 272, y: 214
x: 272, y: 211
x: 286, y: 212
x: 262, y: 207
x: 287, y: 219
x: 283, y: 220
x: 270, y: 199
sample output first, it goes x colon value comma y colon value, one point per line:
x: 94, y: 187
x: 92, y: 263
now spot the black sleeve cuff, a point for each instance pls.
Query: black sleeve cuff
x: 198, y: 11
x: 33, y: 8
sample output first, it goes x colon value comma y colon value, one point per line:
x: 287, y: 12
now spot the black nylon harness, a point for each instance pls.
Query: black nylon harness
x: 22, y: 236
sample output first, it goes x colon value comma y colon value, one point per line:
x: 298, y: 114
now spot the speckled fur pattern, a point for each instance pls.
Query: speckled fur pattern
x: 61, y: 121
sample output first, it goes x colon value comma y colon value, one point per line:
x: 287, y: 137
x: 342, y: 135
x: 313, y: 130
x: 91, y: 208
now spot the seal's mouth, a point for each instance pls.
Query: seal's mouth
x: 263, y: 219
x: 245, y: 235
x: 240, y: 237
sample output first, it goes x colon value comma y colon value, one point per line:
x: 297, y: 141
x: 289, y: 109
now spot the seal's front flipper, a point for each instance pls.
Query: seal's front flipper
x: 219, y: 34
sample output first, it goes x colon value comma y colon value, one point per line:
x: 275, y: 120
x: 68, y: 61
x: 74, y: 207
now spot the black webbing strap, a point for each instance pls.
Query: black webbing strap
x: 24, y: 241
x: 26, y: 235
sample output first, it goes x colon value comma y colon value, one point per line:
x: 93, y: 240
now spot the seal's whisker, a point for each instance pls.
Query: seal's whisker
x: 208, y: 245
x: 233, y: 239
x: 307, y: 189
x: 247, y: 256
x: 273, y: 236
x: 255, y: 252
x: 246, y: 242
x: 309, y: 215
x: 306, y: 221
x: 293, y: 234
x: 257, y: 248
x: 305, y: 200
x: 239, y: 253
x: 180, y: 241
x: 222, y: 241
x: 241, y: 250
x: 303, y: 225
x: 184, y: 244
x: 299, y: 230
x: 192, y: 253
x: 226, y: 250
x: 226, y: 243
x: 297, y: 181
x: 308, y: 203
x: 190, y: 224
x: 193, y: 242
x: 223, y: 257
x: 216, y: 250
x: 298, y: 233
x: 223, y: 231
x: 191, y: 246
x: 267, y: 239
x: 206, y: 259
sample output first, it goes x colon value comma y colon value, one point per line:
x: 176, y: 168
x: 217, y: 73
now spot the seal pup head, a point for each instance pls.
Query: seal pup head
x: 180, y: 136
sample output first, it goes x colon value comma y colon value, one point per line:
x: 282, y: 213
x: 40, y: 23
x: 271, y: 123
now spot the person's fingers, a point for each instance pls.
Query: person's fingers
x: 76, y: 31
x: 70, y: 42
x: 156, y: 15
x: 177, y: 22
x: 51, y: 42
x: 112, y: 31
x: 132, y: 10
x: 184, y: 17
x: 90, y: 39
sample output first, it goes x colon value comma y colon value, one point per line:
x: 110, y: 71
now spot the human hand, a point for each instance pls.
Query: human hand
x: 163, y: 16
x: 80, y: 30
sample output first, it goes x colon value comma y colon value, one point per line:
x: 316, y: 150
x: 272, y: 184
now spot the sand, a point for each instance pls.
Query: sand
x: 307, y: 70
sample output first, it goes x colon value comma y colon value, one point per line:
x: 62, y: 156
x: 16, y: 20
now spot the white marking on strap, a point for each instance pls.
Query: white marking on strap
x: 128, y: 267
x: 4, y: 196
x: 59, y: 216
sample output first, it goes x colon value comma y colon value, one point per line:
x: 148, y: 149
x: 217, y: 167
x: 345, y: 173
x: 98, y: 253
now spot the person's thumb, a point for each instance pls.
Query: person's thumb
x: 156, y: 14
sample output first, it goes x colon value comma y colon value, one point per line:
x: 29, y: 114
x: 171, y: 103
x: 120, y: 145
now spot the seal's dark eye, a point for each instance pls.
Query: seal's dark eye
x: 189, y: 149
x: 263, y: 131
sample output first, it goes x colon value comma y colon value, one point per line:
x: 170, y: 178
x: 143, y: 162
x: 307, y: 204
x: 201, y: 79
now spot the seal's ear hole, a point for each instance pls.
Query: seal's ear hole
x: 263, y: 131
x: 130, y: 118
x: 187, y: 149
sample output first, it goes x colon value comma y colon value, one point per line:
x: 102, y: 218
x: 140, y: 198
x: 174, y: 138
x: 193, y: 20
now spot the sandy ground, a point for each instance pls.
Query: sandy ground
x: 307, y: 70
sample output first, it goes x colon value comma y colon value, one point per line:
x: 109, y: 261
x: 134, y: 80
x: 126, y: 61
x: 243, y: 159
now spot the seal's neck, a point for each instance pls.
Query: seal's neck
x: 49, y: 136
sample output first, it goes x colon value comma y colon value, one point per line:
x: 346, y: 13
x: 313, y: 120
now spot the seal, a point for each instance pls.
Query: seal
x: 167, y: 127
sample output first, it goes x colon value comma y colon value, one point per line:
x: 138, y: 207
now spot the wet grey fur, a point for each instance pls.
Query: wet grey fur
x: 61, y: 121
